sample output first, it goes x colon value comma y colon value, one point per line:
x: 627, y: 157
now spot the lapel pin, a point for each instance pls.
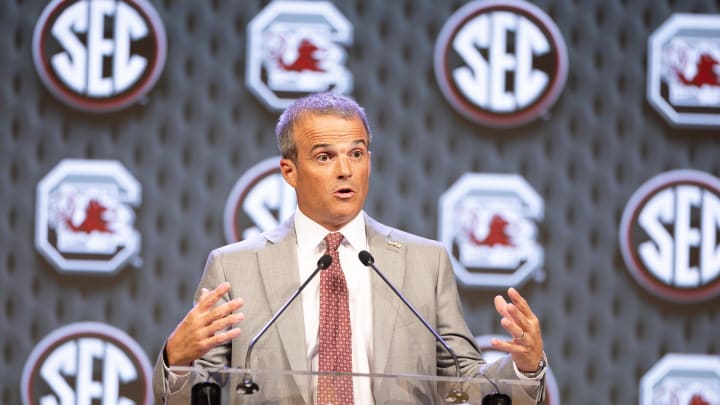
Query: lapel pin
x: 394, y: 244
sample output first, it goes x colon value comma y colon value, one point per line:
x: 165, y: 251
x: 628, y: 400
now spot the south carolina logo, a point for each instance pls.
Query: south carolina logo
x: 684, y: 70
x: 85, y: 220
x: 488, y: 223
x: 296, y: 48
x: 501, y: 63
x: 692, y: 379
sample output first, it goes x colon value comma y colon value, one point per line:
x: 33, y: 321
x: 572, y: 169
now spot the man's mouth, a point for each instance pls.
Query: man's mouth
x: 344, y: 192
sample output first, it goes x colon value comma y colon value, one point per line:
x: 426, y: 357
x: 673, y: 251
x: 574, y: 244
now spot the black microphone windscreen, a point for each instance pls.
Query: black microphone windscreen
x: 324, y: 262
x: 366, y: 258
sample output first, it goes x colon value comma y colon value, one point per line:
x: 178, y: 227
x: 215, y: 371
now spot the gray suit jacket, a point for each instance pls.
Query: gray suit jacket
x: 263, y: 271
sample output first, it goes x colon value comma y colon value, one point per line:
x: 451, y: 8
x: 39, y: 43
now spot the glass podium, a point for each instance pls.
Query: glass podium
x: 231, y: 386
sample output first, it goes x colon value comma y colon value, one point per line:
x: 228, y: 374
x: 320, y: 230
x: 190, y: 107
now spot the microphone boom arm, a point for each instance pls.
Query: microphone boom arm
x: 247, y: 385
x: 368, y: 260
x: 322, y: 264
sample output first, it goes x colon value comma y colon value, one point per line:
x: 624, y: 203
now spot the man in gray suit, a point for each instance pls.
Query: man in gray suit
x: 324, y: 140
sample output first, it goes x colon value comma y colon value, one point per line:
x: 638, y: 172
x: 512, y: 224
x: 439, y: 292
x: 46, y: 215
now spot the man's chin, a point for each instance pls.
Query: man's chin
x: 342, y: 218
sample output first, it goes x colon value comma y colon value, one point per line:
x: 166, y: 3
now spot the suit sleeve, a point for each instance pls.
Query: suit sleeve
x: 451, y: 324
x: 453, y: 328
x: 164, y: 388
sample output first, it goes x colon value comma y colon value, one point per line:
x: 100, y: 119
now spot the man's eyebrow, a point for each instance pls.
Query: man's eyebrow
x: 319, y: 146
x: 325, y: 145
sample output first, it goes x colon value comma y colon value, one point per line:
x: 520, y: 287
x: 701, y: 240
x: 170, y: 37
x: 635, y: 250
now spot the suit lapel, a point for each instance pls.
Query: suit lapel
x: 280, y: 279
x: 389, y: 259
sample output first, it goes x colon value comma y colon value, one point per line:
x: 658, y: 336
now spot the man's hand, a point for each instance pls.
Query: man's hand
x: 204, y: 327
x: 526, y: 347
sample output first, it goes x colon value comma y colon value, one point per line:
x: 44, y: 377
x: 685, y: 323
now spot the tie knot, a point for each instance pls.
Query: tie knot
x: 332, y: 240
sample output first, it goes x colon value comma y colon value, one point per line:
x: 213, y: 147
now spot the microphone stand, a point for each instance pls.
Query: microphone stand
x: 247, y: 385
x: 457, y: 395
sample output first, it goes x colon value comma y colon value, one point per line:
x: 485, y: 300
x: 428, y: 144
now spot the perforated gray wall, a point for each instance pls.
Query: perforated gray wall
x: 200, y: 128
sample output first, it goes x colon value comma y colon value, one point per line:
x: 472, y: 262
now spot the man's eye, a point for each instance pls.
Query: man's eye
x: 357, y: 154
x: 323, y: 157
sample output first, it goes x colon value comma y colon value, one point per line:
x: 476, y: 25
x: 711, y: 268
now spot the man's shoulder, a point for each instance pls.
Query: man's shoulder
x: 402, y: 237
x: 253, y: 243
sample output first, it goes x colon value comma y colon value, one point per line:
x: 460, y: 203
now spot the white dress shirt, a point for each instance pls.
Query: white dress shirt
x: 310, y: 247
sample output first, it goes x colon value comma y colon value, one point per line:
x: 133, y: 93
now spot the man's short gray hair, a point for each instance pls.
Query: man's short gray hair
x: 319, y: 103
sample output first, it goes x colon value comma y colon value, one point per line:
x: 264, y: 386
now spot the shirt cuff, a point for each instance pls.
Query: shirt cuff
x: 538, y: 377
x: 175, y: 380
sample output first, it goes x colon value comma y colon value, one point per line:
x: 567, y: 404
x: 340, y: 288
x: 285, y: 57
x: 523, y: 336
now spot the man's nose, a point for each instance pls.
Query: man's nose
x: 343, y: 167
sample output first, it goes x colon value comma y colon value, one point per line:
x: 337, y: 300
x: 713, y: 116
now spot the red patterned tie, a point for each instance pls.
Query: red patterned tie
x: 335, y: 333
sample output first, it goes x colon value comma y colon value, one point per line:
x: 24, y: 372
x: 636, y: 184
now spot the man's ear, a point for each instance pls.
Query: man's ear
x: 289, y: 171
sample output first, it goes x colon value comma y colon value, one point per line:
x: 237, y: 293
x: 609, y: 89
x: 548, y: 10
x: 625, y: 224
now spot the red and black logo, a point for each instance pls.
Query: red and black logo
x: 99, y: 56
x: 87, y: 363
x: 669, y: 235
x: 501, y: 63
x: 259, y: 201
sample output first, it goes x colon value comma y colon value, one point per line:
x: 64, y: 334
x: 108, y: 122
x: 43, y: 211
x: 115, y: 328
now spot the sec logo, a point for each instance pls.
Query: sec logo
x: 669, y: 235
x: 99, y: 55
x: 258, y: 202
x: 87, y: 363
x: 501, y: 63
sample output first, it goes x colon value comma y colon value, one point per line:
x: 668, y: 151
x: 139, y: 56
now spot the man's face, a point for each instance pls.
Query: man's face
x: 332, y: 170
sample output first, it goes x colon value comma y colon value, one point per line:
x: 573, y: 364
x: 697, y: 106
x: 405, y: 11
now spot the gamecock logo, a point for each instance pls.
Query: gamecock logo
x: 684, y: 70
x: 296, y: 48
x: 488, y: 224
x: 692, y: 379
x: 85, y: 221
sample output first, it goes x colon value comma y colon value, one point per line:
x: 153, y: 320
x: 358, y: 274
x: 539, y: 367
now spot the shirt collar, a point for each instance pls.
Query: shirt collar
x: 310, y: 234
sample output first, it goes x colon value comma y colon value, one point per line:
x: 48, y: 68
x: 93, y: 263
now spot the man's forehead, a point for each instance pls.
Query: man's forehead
x: 310, y: 122
x: 306, y: 116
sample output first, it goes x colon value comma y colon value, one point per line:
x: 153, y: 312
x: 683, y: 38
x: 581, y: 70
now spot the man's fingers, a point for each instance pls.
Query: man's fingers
x: 221, y: 311
x: 507, y: 346
x: 525, y: 343
x: 520, y: 310
x: 518, y: 317
x: 511, y: 327
x: 206, y: 302
x: 511, y: 311
x: 223, y: 337
x: 500, y: 305
x: 223, y: 323
x: 520, y: 302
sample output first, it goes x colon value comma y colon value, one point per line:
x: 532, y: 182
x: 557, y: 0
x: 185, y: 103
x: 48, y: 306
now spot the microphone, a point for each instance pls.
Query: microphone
x: 457, y: 395
x: 247, y: 385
